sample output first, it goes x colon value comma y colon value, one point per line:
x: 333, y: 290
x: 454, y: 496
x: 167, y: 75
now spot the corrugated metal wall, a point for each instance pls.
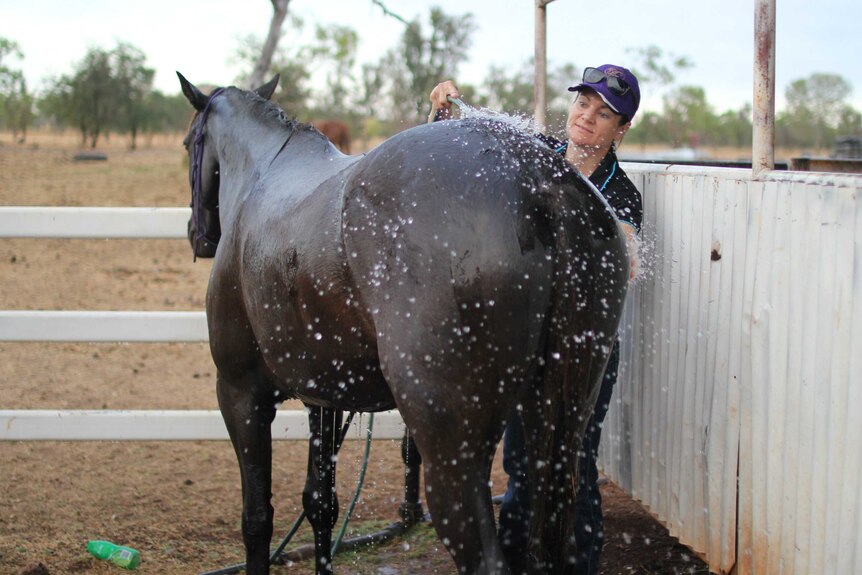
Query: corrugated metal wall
x: 737, y: 417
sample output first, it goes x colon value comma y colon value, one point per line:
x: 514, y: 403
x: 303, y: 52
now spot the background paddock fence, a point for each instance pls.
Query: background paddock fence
x: 733, y: 417
x: 123, y: 326
x: 163, y: 425
x: 104, y: 326
x: 98, y: 223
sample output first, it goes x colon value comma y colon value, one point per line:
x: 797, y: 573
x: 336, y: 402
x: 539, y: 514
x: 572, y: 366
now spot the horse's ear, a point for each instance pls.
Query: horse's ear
x: 197, y: 98
x: 266, y: 91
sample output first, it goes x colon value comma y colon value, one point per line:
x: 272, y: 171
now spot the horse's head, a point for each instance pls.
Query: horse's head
x: 204, y: 228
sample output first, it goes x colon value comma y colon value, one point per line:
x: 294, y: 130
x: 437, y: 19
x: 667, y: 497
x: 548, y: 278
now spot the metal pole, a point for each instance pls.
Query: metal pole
x: 540, y: 83
x: 763, y: 137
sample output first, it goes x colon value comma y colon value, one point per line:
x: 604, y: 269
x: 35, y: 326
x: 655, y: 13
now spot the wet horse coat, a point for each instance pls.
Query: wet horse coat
x: 457, y: 269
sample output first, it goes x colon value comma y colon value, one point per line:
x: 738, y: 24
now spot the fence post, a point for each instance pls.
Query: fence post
x: 763, y: 137
x: 540, y: 82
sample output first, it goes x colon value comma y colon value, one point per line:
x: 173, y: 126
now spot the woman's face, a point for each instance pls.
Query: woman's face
x: 592, y: 123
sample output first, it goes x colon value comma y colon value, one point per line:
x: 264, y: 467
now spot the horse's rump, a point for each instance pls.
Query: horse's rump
x: 450, y: 234
x: 437, y: 231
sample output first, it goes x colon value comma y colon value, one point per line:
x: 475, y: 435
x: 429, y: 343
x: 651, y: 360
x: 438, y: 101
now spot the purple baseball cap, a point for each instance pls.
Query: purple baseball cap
x: 617, y: 86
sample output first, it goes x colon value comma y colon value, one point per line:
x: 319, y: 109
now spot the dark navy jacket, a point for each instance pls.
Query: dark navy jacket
x: 610, y: 179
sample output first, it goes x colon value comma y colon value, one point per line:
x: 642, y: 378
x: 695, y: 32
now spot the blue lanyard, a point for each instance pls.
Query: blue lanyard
x: 613, y: 171
x: 562, y: 149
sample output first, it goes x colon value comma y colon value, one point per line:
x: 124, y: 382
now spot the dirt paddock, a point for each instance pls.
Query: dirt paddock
x: 178, y: 503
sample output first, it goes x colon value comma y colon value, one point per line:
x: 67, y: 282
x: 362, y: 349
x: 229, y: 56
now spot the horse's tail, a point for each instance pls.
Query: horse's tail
x: 590, y: 272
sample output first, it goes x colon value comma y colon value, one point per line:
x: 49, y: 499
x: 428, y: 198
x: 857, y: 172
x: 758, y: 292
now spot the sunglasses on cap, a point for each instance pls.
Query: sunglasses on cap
x: 616, y: 85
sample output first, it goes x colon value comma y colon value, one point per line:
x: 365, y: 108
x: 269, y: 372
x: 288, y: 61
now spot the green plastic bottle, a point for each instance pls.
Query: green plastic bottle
x: 124, y: 557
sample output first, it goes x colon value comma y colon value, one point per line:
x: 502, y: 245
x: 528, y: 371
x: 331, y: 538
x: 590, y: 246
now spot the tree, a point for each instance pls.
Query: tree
x: 264, y: 60
x: 8, y: 49
x: 337, y: 45
x: 689, y: 117
x: 650, y: 128
x: 656, y: 71
x: 850, y: 121
x: 293, y: 64
x: 414, y: 67
x: 656, y: 66
x: 294, y: 91
x: 18, y: 109
x: 92, y: 101
x: 389, y: 12
x: 734, y: 127
x: 166, y: 113
x: 814, y: 109
x: 560, y: 99
x: 133, y: 84
x: 372, y: 80
x: 510, y: 92
x: 55, y: 104
x: 107, y: 90
x: 16, y: 103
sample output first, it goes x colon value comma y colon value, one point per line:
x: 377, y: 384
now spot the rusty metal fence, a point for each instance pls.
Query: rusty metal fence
x: 734, y: 420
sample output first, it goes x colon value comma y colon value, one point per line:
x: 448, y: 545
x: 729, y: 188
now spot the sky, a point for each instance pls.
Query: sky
x: 200, y: 37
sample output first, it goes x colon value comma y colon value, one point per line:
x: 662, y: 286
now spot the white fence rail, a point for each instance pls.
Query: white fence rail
x: 159, y: 425
x: 68, y: 222
x: 122, y: 326
x: 733, y: 417
x: 103, y: 326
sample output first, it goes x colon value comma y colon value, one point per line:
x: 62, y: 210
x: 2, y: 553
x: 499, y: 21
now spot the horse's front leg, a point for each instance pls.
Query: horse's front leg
x: 411, y: 509
x: 319, y: 499
x: 248, y: 420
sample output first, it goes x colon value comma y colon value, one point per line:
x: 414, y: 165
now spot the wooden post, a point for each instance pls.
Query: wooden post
x: 540, y: 83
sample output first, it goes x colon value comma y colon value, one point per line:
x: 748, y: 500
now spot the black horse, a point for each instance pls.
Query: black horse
x: 456, y: 270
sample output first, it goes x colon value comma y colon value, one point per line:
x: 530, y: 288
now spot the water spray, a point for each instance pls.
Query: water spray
x: 526, y: 124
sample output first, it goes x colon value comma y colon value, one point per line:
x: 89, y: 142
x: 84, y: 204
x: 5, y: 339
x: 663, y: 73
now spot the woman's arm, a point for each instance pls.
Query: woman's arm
x: 441, y: 107
x: 632, y: 244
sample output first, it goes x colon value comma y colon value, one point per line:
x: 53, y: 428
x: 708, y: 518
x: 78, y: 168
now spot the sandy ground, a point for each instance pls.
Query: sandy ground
x: 176, y: 502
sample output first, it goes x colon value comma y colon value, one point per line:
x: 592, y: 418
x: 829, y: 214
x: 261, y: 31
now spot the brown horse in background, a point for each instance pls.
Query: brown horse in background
x: 337, y: 132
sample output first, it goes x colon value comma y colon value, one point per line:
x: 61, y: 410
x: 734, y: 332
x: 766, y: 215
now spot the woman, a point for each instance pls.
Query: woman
x: 607, y: 100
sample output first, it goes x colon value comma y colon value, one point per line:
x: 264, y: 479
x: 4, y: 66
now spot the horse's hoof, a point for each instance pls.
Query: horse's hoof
x: 411, y: 513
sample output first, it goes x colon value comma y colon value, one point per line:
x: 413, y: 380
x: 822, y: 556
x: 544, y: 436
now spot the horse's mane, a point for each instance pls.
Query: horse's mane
x: 270, y: 109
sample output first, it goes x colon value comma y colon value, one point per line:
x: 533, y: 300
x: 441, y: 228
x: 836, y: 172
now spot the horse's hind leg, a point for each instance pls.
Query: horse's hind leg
x: 458, y: 441
x: 248, y: 421
x: 459, y: 499
x: 411, y: 508
x: 454, y: 410
x: 319, y: 499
